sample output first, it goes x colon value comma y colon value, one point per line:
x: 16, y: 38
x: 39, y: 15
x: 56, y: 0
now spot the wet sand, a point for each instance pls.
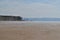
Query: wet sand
x: 29, y: 31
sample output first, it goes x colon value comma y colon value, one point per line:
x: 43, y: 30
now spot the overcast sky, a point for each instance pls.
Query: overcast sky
x: 30, y: 8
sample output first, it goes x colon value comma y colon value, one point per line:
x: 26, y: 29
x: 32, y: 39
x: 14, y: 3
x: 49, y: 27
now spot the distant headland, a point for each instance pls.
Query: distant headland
x: 19, y: 18
x: 10, y: 18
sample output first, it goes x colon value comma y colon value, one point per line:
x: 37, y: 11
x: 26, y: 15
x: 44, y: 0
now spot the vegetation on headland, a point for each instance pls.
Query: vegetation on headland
x: 10, y: 18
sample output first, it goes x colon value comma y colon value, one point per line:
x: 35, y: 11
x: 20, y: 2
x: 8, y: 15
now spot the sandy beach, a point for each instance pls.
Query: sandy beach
x: 29, y: 31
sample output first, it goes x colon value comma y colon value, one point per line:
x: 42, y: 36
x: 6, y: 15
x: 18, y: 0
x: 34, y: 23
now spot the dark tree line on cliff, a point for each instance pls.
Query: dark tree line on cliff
x: 10, y: 18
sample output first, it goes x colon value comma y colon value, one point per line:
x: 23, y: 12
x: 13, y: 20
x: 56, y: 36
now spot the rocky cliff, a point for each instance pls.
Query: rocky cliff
x: 10, y: 18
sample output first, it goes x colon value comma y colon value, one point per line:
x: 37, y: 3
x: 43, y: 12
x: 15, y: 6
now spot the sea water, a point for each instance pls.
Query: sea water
x: 11, y: 22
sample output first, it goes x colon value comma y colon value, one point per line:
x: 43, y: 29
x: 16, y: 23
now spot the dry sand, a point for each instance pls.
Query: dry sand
x: 29, y: 31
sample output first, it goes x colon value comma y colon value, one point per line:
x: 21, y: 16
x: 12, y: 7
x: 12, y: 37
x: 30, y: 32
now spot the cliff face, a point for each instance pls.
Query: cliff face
x: 10, y: 18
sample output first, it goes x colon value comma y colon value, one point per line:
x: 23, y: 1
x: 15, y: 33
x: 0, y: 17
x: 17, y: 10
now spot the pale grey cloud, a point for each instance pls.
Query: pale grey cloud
x: 29, y: 10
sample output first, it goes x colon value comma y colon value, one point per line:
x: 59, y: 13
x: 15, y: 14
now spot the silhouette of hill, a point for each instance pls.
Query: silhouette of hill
x: 42, y: 19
